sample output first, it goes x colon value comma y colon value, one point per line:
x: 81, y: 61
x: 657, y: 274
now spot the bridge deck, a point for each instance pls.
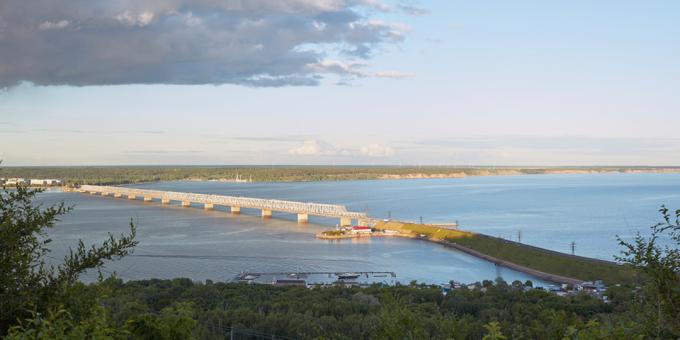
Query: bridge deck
x: 316, y: 209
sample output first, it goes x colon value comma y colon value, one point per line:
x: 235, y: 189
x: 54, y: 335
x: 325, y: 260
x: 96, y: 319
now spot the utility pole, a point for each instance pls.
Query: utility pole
x: 573, y: 247
x: 519, y: 236
x: 421, y: 220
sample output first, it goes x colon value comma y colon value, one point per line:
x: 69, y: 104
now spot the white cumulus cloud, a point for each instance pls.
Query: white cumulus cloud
x: 376, y: 150
x: 313, y: 147
x: 53, y: 25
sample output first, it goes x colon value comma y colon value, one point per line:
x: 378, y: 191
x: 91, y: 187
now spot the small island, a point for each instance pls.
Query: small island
x: 397, y: 229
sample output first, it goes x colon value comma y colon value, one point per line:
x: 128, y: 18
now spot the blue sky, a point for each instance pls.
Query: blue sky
x: 427, y: 82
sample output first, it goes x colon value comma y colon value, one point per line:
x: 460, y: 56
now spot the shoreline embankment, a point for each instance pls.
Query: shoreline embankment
x: 526, y: 270
x: 535, y: 261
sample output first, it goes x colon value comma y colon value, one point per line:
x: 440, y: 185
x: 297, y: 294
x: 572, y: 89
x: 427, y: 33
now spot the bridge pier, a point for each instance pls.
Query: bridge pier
x: 93, y: 192
x: 362, y: 222
x: 117, y: 195
x: 165, y: 200
x: 345, y: 221
x: 303, y: 218
x: 132, y: 197
x: 148, y: 198
x: 266, y: 213
x: 104, y: 194
x: 208, y: 206
x: 186, y: 204
x: 235, y: 210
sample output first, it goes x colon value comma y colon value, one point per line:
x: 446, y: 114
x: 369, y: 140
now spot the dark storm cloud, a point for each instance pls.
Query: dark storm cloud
x: 252, y: 43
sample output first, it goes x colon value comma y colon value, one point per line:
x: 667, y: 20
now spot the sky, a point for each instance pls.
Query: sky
x: 365, y: 82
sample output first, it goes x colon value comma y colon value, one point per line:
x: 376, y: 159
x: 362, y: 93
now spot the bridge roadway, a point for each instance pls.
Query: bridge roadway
x: 267, y: 206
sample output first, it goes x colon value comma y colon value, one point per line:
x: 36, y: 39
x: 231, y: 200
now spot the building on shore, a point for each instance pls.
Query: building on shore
x: 359, y: 229
x: 35, y: 182
x: 44, y: 182
x: 14, y: 181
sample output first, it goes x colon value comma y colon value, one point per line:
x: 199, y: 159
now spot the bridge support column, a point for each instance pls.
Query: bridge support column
x: 117, y: 195
x: 186, y: 204
x: 303, y: 218
x: 104, y: 194
x: 208, y: 206
x: 132, y: 197
x: 93, y: 192
x: 165, y: 200
x: 266, y: 213
x: 362, y: 222
x: 235, y: 210
x: 148, y: 198
x: 345, y: 221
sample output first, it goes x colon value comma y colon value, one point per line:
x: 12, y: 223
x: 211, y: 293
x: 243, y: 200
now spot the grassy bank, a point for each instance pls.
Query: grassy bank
x: 535, y: 258
x: 137, y: 174
x: 548, y: 261
x: 434, y: 233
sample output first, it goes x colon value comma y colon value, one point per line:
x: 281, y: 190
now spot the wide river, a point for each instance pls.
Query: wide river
x: 549, y: 211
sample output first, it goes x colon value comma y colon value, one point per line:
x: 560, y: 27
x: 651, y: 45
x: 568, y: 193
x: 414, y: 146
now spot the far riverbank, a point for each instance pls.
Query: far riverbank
x: 117, y: 175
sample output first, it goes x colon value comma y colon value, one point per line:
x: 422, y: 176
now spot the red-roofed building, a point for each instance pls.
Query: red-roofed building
x: 358, y: 229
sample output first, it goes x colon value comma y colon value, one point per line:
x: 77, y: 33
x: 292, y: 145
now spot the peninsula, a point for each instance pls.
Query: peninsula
x: 545, y: 264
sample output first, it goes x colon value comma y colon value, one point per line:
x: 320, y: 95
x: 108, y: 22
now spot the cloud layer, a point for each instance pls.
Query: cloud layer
x: 254, y: 42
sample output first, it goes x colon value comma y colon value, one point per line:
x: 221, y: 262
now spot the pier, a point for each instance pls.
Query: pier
x: 267, y: 206
x: 347, y: 279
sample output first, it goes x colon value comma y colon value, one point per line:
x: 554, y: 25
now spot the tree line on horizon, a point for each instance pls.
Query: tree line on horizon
x: 112, y: 175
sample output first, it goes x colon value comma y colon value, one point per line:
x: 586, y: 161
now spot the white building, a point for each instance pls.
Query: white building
x: 37, y: 182
x: 45, y: 182
x: 15, y: 181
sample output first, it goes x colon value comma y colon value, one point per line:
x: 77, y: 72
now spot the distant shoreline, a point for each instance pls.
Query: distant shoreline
x: 135, y: 175
x: 464, y: 175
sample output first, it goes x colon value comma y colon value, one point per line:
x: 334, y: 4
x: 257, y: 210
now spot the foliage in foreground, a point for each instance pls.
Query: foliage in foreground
x: 160, y: 308
x: 657, y: 257
x: 28, y: 283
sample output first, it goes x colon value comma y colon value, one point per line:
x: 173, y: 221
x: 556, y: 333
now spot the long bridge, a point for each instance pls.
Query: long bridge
x: 267, y: 206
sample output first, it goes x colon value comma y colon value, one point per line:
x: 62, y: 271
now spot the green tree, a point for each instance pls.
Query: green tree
x: 493, y: 331
x: 28, y: 283
x: 657, y: 258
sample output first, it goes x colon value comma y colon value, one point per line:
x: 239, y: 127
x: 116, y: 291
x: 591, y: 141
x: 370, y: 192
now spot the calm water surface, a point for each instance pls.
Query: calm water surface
x: 549, y: 211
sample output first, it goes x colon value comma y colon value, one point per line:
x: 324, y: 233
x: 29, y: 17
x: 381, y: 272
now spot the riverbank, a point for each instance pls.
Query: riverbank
x: 116, y: 175
x: 542, y: 263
